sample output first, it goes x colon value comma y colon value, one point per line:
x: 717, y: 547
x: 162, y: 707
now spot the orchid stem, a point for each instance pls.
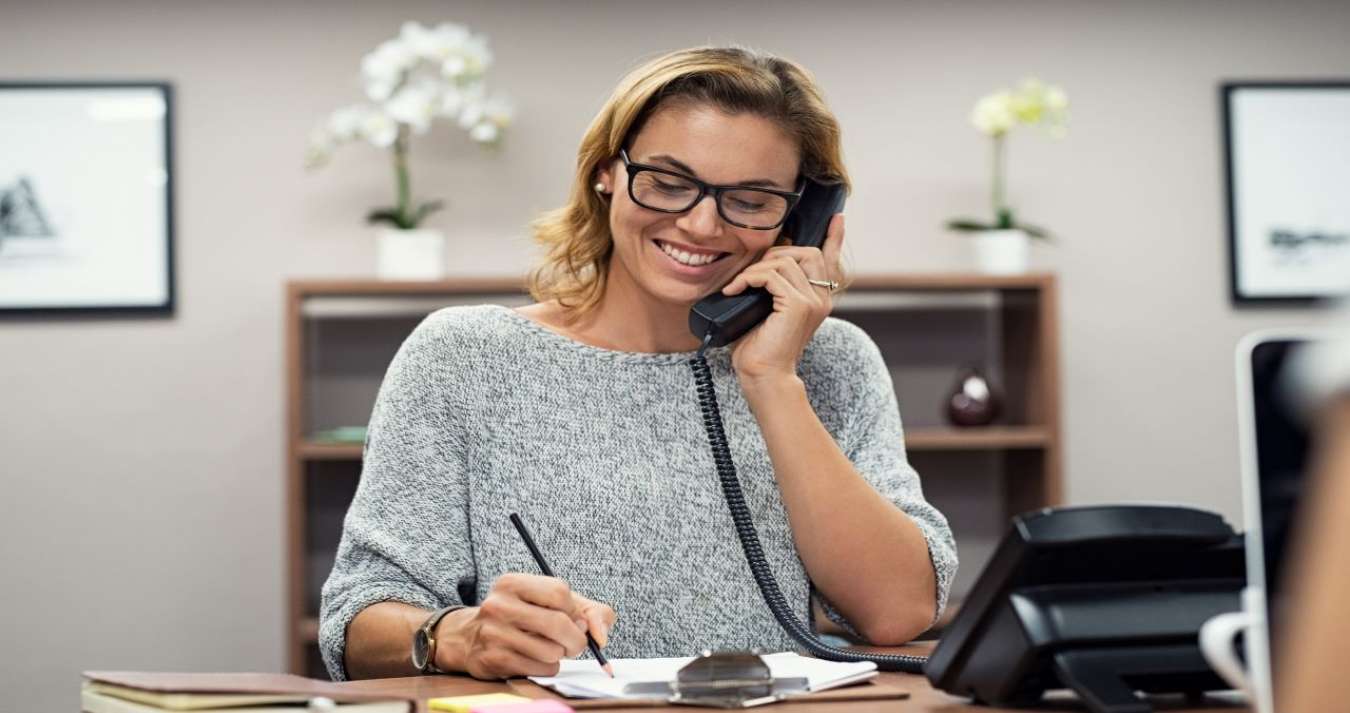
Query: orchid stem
x: 401, y: 175
x: 998, y: 193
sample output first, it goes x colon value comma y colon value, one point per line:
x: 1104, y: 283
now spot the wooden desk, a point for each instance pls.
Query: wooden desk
x: 923, y: 698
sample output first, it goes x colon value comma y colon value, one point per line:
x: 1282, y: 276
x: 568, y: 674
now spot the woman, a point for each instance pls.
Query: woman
x: 580, y: 413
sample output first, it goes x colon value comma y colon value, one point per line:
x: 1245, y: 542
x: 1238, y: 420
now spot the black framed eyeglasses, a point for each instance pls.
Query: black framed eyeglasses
x: 661, y: 189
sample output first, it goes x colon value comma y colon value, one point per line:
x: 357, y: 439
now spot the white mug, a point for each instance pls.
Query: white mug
x: 1218, y: 644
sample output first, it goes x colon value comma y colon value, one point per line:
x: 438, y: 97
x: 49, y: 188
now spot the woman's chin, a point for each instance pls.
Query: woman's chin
x: 683, y: 294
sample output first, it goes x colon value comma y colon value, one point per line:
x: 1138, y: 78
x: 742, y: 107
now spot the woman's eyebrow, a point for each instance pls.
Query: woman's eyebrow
x: 684, y: 168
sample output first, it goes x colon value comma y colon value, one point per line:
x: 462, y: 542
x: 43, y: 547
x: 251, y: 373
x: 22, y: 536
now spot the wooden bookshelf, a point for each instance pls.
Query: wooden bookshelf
x: 922, y: 439
x: 975, y: 438
x: 340, y: 335
x: 329, y: 451
x: 307, y: 630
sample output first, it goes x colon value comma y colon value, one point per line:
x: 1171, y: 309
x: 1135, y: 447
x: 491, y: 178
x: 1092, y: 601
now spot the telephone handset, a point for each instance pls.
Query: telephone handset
x: 718, y: 320
x: 726, y: 318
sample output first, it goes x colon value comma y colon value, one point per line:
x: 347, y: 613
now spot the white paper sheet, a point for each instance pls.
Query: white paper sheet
x: 584, y: 679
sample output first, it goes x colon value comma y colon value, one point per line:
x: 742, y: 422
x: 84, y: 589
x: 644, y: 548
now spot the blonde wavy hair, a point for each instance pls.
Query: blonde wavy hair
x: 576, y: 236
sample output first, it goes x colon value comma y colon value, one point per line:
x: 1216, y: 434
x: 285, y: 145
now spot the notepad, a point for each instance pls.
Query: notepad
x: 584, y: 679
x: 464, y: 704
x: 547, y: 705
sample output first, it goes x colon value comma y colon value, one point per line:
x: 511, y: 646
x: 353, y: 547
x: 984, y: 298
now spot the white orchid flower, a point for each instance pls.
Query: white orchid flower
x: 993, y: 114
x: 414, y: 105
x: 379, y: 129
x: 385, y: 68
x: 471, y: 115
x: 499, y: 111
x: 472, y: 105
x: 344, y: 123
x: 469, y: 60
x: 388, y: 62
x: 1027, y: 108
x: 380, y: 91
x: 320, y: 149
x: 492, y: 116
x: 485, y: 133
x: 1056, y: 104
x: 1033, y: 103
x: 423, y: 74
x: 452, y: 34
x: 477, y: 54
x: 1032, y: 86
x: 453, y: 100
x: 1028, y: 102
x: 454, y: 67
x: 1056, y: 100
x: 416, y: 37
x: 435, y: 45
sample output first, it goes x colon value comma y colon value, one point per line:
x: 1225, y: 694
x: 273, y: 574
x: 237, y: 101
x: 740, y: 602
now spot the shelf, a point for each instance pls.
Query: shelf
x: 951, y: 281
x: 310, y: 450
x: 920, y: 439
x: 364, y: 286
x: 405, y: 306
x: 976, y: 438
x: 935, y: 281
x: 308, y: 630
x: 373, y: 299
x: 864, y: 300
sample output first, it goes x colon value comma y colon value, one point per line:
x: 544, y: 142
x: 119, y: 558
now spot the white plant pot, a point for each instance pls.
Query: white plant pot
x: 1002, y: 252
x: 417, y: 254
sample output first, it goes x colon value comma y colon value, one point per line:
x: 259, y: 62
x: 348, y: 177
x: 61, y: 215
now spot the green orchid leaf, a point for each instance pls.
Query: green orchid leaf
x: 1036, y: 232
x: 388, y: 215
x: 425, y: 210
x: 967, y: 225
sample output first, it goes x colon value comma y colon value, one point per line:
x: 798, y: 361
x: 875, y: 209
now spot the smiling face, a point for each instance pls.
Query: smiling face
x: 671, y: 259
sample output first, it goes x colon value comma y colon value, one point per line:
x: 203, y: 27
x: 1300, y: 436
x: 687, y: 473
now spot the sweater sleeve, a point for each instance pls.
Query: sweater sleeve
x: 873, y: 440
x: 405, y: 537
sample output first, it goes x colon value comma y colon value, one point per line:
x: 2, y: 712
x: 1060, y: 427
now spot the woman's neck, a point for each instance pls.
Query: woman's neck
x: 624, y: 320
x: 632, y: 324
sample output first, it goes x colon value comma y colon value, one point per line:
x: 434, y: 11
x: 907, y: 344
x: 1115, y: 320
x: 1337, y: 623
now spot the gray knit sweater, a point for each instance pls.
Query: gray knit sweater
x: 484, y: 412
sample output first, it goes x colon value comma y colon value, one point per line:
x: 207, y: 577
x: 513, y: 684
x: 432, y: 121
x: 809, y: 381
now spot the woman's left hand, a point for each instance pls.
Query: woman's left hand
x: 773, y: 348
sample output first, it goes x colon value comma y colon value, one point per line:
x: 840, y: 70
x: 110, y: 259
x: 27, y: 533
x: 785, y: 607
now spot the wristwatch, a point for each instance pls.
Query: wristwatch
x: 424, y: 641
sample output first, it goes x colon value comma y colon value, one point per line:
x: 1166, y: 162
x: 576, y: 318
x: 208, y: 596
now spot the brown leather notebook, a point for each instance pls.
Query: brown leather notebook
x: 200, y: 691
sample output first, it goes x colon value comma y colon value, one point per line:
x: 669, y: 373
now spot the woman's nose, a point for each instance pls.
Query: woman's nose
x: 702, y: 219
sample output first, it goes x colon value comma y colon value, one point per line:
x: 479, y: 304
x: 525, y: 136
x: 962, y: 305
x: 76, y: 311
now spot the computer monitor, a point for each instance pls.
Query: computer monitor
x: 1273, y: 443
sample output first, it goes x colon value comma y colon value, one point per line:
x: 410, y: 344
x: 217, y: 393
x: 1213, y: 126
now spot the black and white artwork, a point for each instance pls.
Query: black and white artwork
x: 86, y: 197
x: 1288, y: 189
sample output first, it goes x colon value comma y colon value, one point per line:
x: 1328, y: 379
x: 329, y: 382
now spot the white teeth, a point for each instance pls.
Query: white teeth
x: 686, y: 258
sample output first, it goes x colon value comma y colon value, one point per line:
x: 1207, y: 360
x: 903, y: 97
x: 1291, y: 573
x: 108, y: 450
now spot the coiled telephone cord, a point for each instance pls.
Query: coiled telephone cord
x: 754, y: 554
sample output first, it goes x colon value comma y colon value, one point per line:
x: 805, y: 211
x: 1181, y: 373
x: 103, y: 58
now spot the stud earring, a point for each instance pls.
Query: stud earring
x: 599, y: 188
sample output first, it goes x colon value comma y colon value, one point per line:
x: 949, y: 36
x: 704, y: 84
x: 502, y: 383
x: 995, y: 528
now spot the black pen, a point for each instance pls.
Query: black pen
x: 548, y: 572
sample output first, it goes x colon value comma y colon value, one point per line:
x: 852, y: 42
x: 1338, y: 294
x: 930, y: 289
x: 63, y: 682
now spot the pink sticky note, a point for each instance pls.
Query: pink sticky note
x: 543, y: 705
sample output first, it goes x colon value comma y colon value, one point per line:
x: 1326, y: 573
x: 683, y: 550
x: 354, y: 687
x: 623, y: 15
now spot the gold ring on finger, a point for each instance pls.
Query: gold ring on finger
x: 831, y: 285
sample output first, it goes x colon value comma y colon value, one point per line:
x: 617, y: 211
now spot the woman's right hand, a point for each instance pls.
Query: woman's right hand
x: 524, y: 627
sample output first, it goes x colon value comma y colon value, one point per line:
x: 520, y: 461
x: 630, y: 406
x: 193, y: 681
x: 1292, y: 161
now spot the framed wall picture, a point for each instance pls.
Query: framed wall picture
x: 1288, y: 166
x: 86, y: 197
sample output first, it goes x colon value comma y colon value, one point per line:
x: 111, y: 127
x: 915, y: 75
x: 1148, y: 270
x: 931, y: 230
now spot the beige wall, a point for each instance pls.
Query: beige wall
x: 141, y: 521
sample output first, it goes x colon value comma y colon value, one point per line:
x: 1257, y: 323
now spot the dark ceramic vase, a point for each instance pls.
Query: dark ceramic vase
x: 972, y: 401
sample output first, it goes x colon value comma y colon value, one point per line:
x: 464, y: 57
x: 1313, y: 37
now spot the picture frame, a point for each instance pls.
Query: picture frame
x: 1287, y: 169
x: 86, y: 198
